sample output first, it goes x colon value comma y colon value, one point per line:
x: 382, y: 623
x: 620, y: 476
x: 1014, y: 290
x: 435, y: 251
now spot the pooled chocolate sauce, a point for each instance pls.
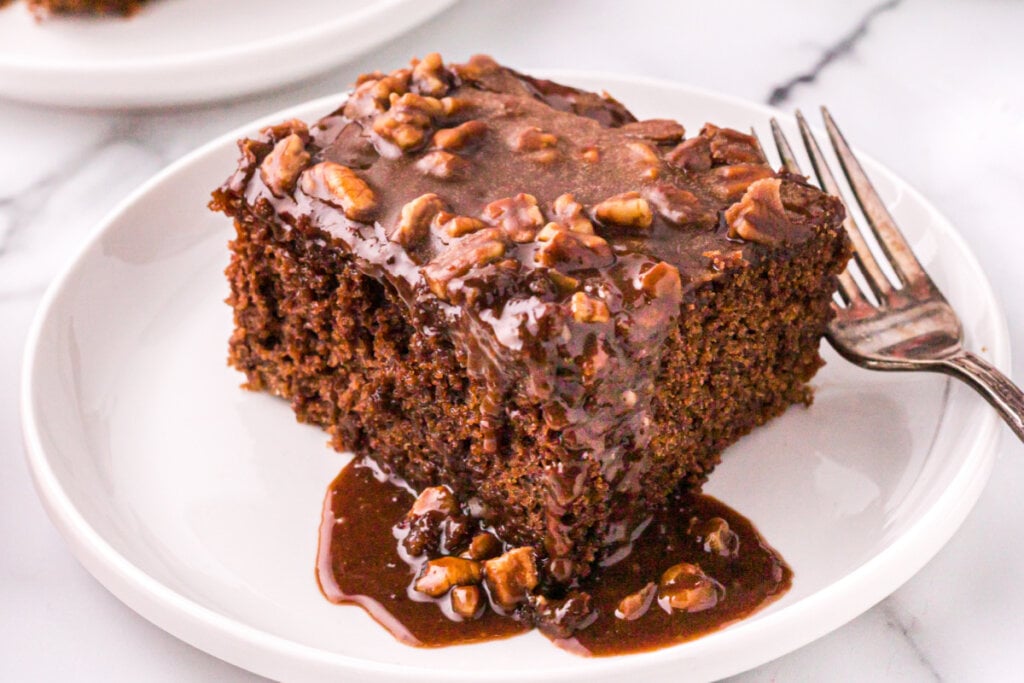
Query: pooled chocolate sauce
x: 359, y: 562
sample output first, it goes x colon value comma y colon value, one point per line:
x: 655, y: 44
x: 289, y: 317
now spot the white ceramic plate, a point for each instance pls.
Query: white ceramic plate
x: 180, y: 51
x: 197, y: 503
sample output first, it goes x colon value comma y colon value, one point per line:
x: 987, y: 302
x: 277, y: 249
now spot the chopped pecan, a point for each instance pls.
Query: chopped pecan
x: 475, y: 250
x: 715, y: 536
x: 691, y: 155
x: 659, y: 131
x: 443, y: 165
x: 339, y: 184
x: 518, y: 216
x: 646, y: 158
x: 635, y: 605
x: 586, y: 309
x: 728, y: 183
x: 643, y: 153
x: 662, y: 280
x: 454, y: 139
x: 569, y: 213
x: 435, y: 499
x: 560, y: 618
x: 453, y: 105
x: 414, y: 223
x: 760, y: 216
x: 484, y: 546
x: 457, y: 226
x: 730, y: 146
x: 444, y: 572
x: 686, y: 588
x: 510, y: 577
x: 678, y: 205
x: 570, y: 251
x: 476, y: 68
x: 286, y: 128
x: 428, y: 76
x: 628, y: 210
x: 410, y: 101
x: 466, y: 601
x: 281, y: 168
x: 591, y: 154
x: 434, y: 523
x: 373, y: 95
x: 563, y: 282
x: 405, y: 124
x: 532, y: 139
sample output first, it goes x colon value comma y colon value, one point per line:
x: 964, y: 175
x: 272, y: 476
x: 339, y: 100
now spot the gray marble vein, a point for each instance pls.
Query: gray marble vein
x: 844, y: 46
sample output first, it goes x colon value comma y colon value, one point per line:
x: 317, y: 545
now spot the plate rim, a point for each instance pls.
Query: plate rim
x: 162, y: 605
x: 190, y: 59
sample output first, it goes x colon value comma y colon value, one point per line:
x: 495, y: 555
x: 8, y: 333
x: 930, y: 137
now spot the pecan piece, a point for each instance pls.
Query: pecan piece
x: 340, y: 184
x: 281, y: 168
x: 574, y: 251
x: 479, y: 249
x: 511, y: 577
x: 466, y: 601
x: 484, y: 546
x: 560, y: 618
x: 715, y: 536
x: 730, y: 146
x: 569, y: 213
x: 678, y: 205
x: 518, y: 216
x: 659, y: 131
x: 628, y: 210
x: 457, y: 226
x: 428, y: 77
x: 691, y: 155
x: 646, y: 157
x: 686, y: 588
x: 533, y: 139
x: 434, y: 523
x: 760, y: 216
x: 414, y: 223
x: 662, y: 280
x: 635, y: 605
x: 586, y: 309
x: 286, y: 128
x: 728, y: 183
x: 454, y: 139
x: 476, y: 68
x: 444, y: 572
x: 443, y: 165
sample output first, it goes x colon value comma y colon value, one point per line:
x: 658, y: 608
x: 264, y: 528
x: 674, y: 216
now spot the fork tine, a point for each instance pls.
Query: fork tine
x: 873, y: 274
x: 848, y: 288
x: 760, y: 147
x: 785, y: 151
x: 893, y: 243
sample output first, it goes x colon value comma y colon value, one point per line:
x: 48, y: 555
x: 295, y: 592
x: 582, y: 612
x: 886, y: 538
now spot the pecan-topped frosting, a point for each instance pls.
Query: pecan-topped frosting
x: 551, y: 235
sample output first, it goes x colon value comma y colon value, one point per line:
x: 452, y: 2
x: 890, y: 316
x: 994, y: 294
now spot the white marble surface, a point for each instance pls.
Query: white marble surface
x: 932, y: 89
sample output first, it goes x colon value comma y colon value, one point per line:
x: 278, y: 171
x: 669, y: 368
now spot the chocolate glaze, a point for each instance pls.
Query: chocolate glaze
x: 512, y: 318
x: 358, y: 562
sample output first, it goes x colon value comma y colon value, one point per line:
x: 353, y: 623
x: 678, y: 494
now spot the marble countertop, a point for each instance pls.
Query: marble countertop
x: 933, y: 90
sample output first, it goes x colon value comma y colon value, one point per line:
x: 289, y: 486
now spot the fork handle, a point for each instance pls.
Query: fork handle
x: 1004, y: 395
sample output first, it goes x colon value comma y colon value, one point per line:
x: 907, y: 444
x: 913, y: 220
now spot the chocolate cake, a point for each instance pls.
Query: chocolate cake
x: 43, y: 8
x: 515, y: 289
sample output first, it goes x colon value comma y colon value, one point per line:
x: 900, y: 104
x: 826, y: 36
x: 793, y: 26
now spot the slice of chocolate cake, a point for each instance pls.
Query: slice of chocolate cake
x: 514, y: 288
x: 44, y: 8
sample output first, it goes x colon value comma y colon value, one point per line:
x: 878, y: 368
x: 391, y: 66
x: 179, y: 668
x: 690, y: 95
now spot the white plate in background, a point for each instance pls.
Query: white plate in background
x: 183, y: 51
x: 198, y: 503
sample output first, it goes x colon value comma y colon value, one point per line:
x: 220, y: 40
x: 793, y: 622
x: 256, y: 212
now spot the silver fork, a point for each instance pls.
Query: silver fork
x: 912, y: 327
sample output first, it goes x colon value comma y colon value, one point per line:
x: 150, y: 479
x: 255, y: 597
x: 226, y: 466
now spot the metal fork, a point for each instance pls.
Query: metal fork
x: 912, y: 326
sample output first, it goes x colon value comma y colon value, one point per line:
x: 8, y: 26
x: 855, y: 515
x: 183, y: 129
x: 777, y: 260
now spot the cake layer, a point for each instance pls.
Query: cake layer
x: 514, y: 288
x: 122, y: 7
